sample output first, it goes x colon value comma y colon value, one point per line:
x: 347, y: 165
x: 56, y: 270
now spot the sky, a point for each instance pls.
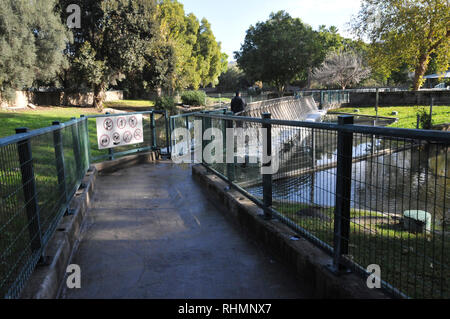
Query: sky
x: 231, y: 19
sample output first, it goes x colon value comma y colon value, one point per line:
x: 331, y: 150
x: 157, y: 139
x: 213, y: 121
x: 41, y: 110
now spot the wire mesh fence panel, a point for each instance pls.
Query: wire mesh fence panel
x: 399, y: 213
x: 39, y: 173
x: 369, y: 196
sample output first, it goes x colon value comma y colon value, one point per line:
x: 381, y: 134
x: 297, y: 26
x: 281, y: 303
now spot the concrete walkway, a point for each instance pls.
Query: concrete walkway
x: 152, y: 233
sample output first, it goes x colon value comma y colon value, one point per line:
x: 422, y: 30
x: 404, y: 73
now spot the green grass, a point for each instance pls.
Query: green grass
x: 407, y: 115
x: 137, y: 105
x: 215, y: 100
x: 414, y: 263
x: 40, y: 118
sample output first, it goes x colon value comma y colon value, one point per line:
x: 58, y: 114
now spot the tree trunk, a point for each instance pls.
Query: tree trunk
x: 421, y: 68
x: 99, y: 96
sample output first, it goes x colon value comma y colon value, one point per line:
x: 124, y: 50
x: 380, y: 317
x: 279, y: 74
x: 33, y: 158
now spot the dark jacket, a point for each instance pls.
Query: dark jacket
x: 237, y: 104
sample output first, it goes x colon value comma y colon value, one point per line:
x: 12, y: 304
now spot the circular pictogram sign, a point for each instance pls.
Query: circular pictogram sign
x: 133, y: 121
x: 104, y: 140
x: 127, y: 137
x: 121, y: 123
x: 138, y: 134
x: 116, y: 138
x: 108, y: 124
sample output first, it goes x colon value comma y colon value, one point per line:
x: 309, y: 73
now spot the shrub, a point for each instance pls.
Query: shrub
x: 193, y: 98
x: 165, y: 103
x: 425, y: 120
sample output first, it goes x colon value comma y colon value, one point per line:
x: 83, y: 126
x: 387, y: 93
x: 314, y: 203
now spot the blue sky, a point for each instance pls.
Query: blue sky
x: 231, y: 19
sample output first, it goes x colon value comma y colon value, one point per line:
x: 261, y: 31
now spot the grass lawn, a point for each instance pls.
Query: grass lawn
x: 407, y: 115
x: 215, y: 100
x: 42, y: 117
x: 130, y: 105
x: 414, y: 263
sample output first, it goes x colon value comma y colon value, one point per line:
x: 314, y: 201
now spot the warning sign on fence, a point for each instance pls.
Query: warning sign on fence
x: 118, y: 131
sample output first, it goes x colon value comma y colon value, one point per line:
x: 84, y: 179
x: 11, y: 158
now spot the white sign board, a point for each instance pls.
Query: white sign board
x: 120, y: 130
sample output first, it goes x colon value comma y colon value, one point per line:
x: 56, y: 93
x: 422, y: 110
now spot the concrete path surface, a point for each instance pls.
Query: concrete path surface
x: 152, y: 233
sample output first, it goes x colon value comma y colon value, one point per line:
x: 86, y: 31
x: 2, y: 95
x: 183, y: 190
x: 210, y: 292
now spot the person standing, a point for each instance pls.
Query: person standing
x: 237, y: 104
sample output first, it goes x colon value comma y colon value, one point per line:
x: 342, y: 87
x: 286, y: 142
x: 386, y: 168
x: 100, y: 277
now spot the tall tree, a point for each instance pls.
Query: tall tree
x: 406, y: 31
x: 114, y: 40
x: 279, y: 50
x: 199, y: 60
x: 32, y: 41
x: 342, y: 68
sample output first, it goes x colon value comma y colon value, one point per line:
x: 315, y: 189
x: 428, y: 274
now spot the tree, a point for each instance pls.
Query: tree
x: 199, y: 60
x: 279, y: 50
x: 341, y: 68
x: 211, y: 62
x: 233, y: 79
x: 114, y: 40
x: 32, y: 41
x: 406, y: 31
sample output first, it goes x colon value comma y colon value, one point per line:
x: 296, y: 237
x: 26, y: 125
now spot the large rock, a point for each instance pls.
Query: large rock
x: 417, y: 221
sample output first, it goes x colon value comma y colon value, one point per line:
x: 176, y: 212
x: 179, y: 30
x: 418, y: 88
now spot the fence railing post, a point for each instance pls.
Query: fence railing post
x: 231, y: 160
x: 29, y: 190
x: 267, y: 178
x: 110, y: 150
x: 87, y: 140
x: 153, y: 130
x: 206, y: 124
x: 59, y: 157
x: 76, y: 146
x: 168, y: 132
x: 343, y: 194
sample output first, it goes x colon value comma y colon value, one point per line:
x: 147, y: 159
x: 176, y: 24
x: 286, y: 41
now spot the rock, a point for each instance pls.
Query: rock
x: 32, y: 106
x: 417, y: 221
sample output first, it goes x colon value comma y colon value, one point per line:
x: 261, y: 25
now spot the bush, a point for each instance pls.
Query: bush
x: 425, y: 120
x: 165, y: 103
x: 193, y: 98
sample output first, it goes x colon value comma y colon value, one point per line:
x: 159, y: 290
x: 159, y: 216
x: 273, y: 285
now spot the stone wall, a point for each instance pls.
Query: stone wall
x: 57, y: 99
x: 406, y: 98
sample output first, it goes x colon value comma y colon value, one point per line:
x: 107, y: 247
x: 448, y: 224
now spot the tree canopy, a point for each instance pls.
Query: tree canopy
x: 283, y: 49
x: 199, y: 60
x: 406, y: 32
x: 342, y: 68
x: 32, y: 40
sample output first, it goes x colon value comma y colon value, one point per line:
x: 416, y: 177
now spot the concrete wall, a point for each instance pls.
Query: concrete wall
x: 306, y: 260
x: 57, y: 99
x: 400, y: 98
x: 21, y: 101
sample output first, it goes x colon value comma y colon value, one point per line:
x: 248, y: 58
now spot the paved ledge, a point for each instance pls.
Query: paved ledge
x: 127, y: 161
x: 308, y: 261
x: 46, y: 280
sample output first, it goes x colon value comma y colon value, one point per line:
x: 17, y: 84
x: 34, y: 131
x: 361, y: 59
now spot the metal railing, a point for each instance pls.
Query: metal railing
x: 366, y: 195
x: 40, y: 171
x: 327, y: 98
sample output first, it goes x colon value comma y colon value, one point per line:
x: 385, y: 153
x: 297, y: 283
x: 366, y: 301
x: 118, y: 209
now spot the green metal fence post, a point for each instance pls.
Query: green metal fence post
x: 110, y: 150
x: 87, y: 140
x: 267, y: 178
x: 29, y: 190
x: 169, y: 128
x: 343, y: 194
x: 231, y: 160
x: 76, y: 147
x: 153, y: 130
x: 59, y: 157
